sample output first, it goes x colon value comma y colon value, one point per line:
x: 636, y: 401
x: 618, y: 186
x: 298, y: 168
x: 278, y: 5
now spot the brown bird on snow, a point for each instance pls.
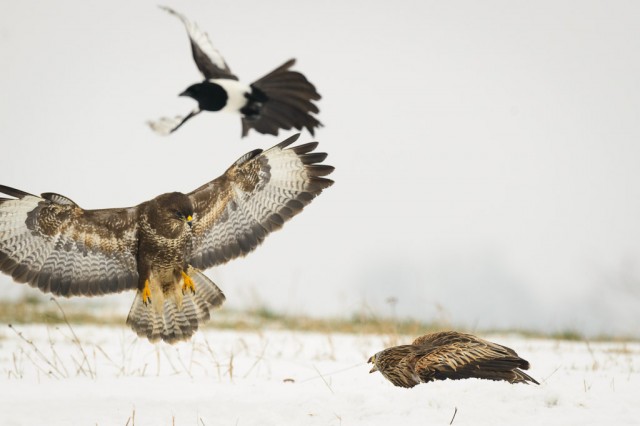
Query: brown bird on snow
x: 282, y: 99
x: 159, y: 247
x: 449, y: 355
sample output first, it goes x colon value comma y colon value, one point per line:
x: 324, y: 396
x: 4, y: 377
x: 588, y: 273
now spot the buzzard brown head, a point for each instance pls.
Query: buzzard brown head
x: 169, y: 214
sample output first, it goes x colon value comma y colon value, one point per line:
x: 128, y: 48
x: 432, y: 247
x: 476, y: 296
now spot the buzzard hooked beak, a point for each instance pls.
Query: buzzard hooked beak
x: 190, y: 221
x: 372, y: 361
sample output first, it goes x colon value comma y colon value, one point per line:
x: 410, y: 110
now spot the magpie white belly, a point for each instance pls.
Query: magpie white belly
x: 236, y: 92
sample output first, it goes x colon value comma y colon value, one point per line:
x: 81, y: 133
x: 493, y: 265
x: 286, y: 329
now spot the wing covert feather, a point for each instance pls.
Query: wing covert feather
x: 254, y: 197
x: 52, y: 244
x: 458, y: 355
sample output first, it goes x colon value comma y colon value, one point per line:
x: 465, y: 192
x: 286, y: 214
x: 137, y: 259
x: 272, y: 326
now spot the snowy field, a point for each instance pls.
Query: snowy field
x: 109, y: 377
x: 483, y: 149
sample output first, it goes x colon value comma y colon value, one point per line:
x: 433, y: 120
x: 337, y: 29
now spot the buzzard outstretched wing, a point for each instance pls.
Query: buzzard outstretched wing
x: 255, y: 196
x: 208, y: 60
x: 53, y: 244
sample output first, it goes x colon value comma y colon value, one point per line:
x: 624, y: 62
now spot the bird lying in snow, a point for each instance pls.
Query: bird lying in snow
x: 449, y: 355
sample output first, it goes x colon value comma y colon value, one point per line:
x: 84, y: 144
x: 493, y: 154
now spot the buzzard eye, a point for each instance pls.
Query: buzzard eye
x: 179, y: 215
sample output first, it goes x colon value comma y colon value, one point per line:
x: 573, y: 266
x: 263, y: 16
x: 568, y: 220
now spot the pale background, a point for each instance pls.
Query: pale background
x: 486, y: 153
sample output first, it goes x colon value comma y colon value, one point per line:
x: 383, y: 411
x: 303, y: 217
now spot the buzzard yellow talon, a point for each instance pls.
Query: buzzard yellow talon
x: 146, y: 293
x: 188, y: 284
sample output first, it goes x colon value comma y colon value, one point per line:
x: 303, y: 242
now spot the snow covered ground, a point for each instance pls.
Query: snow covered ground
x: 293, y: 378
x: 484, y: 148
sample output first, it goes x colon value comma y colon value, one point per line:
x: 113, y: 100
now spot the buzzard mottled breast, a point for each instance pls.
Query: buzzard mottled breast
x: 160, y: 246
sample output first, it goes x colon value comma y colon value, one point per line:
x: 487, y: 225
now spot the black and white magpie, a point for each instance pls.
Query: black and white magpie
x: 282, y: 99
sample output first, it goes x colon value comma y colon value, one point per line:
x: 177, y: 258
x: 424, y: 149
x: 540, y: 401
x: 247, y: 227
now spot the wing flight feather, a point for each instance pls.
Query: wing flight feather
x: 51, y: 243
x: 254, y: 197
x: 207, y: 58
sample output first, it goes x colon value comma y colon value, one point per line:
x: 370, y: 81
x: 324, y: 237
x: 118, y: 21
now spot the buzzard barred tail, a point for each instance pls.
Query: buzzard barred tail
x: 175, y: 316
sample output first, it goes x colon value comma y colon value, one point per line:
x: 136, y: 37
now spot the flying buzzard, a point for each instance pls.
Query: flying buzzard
x: 282, y: 99
x: 160, y: 246
x: 449, y: 355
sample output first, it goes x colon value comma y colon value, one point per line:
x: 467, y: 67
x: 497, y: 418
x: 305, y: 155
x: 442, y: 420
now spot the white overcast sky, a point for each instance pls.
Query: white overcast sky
x: 487, y: 153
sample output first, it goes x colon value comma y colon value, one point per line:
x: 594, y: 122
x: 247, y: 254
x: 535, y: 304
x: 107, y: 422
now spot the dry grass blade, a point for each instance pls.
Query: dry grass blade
x: 55, y: 371
x: 258, y: 359
x: 552, y: 373
x: 56, y: 357
x: 132, y: 419
x: 76, y: 341
x: 455, y: 411
x: 323, y: 379
x: 163, y: 350
x: 231, y: 366
x: 121, y: 369
x: 16, y: 371
x: 182, y: 364
x: 342, y: 370
x: 213, y: 357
